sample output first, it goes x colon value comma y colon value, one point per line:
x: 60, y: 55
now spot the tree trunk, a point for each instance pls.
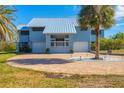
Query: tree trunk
x: 97, y: 42
x: 2, y: 39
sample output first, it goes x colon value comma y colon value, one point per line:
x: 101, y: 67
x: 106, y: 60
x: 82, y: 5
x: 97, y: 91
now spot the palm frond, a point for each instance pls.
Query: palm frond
x: 7, y: 28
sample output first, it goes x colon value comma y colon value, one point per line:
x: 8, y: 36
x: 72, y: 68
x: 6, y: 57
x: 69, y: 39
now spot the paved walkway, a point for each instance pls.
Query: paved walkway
x: 59, y: 63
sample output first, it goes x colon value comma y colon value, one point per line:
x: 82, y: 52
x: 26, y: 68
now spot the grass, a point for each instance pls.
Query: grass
x: 17, y: 77
x: 114, y: 52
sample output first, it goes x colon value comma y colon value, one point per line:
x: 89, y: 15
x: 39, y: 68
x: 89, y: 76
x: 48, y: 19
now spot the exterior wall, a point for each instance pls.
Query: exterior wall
x: 37, y: 36
x: 82, y: 36
x: 23, y: 38
x: 71, y: 41
x: 17, y: 47
x: 93, y: 37
x: 38, y: 47
x: 48, y: 42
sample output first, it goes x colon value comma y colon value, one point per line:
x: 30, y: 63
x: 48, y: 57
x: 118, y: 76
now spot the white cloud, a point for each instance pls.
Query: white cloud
x: 119, y: 12
x: 120, y: 24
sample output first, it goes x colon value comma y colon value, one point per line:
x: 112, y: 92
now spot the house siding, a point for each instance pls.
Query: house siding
x: 93, y: 37
x: 48, y: 42
x: 81, y: 35
x: 23, y: 38
x: 37, y: 36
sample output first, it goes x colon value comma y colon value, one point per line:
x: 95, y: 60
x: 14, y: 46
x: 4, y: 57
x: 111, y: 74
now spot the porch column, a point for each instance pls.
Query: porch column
x: 71, y: 41
x: 48, y: 41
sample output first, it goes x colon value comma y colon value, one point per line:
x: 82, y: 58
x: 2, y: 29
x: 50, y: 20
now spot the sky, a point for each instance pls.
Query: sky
x: 25, y: 13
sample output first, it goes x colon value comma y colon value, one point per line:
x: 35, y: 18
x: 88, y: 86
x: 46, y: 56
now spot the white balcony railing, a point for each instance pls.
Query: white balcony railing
x: 60, y: 43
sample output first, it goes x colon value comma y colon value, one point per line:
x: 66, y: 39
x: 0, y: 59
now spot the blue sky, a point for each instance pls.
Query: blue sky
x: 26, y: 12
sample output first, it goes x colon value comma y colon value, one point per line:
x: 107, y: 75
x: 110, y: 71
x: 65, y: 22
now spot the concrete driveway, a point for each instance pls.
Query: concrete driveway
x: 60, y: 63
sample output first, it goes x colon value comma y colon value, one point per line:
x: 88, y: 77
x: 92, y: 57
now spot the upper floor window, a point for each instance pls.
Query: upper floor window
x: 94, y: 32
x: 38, y: 28
x: 53, y: 36
x: 26, y: 32
x: 81, y: 29
x: 84, y: 29
x: 66, y: 36
x: 59, y: 36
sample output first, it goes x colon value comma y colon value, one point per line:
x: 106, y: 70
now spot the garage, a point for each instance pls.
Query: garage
x: 81, y: 46
x: 38, y: 47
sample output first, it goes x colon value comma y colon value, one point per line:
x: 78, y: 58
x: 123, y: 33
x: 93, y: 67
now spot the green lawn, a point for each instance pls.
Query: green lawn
x: 114, y: 52
x: 16, y: 77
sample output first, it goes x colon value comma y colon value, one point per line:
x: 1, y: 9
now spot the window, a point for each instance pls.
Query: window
x: 84, y: 29
x: 59, y: 36
x: 81, y: 29
x: 67, y: 43
x: 59, y: 39
x: 94, y: 32
x: 38, y: 28
x: 66, y: 36
x: 52, y: 44
x: 52, y: 36
x: 26, y: 32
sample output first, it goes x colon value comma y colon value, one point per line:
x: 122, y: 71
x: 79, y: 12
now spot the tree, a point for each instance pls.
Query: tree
x: 7, y: 28
x: 119, y: 35
x: 109, y: 43
x: 95, y: 17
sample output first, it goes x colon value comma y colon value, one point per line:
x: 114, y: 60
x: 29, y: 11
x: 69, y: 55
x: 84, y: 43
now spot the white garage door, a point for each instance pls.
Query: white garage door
x: 38, y: 47
x: 80, y: 46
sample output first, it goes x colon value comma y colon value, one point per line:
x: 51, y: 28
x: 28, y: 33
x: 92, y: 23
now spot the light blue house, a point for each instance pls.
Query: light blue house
x: 59, y: 35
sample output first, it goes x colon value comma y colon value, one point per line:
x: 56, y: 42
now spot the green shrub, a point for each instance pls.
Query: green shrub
x: 119, y: 35
x: 93, y: 46
x: 106, y: 44
x: 10, y: 47
x: 7, y: 46
x: 25, y: 48
x: 47, y: 51
x: 71, y: 51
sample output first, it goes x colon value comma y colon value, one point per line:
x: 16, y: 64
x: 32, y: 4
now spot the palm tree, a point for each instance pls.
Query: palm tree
x: 7, y: 28
x: 95, y: 17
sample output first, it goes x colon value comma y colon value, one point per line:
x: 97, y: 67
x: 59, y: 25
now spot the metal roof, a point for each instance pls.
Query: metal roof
x: 22, y: 27
x: 55, y: 25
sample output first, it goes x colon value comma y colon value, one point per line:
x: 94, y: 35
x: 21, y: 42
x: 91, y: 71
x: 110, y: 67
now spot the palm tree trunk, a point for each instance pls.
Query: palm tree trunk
x: 2, y: 39
x: 97, y: 42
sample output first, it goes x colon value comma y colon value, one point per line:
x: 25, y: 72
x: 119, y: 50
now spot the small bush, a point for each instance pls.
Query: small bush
x: 10, y: 47
x: 25, y: 48
x: 107, y: 43
x: 71, y: 51
x: 93, y: 46
x: 47, y: 51
x: 7, y: 46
